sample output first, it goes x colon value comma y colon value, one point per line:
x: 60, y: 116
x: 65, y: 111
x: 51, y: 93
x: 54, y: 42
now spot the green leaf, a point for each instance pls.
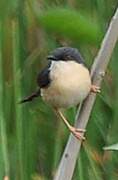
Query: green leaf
x: 70, y: 24
x: 113, y: 147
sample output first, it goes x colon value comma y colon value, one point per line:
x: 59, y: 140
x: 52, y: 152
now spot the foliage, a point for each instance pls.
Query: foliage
x: 32, y: 138
x: 71, y: 24
x: 112, y: 147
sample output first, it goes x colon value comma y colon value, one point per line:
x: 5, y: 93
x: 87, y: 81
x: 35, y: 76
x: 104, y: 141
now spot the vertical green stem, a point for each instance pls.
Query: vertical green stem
x: 17, y: 92
x: 80, y: 169
x: 3, y: 132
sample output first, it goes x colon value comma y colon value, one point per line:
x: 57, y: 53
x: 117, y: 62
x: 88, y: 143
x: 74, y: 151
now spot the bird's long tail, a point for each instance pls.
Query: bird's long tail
x: 31, y: 97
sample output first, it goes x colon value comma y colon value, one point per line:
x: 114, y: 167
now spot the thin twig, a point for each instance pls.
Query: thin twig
x: 71, y: 153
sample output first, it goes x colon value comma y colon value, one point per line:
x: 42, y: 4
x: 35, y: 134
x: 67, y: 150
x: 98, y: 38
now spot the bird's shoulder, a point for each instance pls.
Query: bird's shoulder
x: 43, y: 78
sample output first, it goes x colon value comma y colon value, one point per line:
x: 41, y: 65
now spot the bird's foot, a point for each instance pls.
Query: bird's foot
x: 95, y: 89
x: 77, y: 132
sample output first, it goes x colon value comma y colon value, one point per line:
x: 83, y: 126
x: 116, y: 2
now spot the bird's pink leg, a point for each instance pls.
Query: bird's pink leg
x: 78, y: 133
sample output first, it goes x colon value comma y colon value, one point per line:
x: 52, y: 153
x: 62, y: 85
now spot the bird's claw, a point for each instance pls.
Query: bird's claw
x: 77, y: 133
x: 95, y: 89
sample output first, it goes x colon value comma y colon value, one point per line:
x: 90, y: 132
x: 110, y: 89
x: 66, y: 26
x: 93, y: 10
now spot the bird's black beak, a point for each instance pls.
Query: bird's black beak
x: 51, y: 57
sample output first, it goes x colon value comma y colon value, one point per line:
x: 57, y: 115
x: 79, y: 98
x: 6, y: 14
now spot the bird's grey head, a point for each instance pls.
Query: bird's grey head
x: 66, y: 54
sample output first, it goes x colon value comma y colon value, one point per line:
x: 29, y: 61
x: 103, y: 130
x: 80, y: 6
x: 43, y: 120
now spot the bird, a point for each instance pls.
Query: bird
x: 65, y: 82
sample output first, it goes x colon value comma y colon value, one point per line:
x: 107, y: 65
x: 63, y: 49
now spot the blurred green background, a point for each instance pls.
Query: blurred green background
x: 32, y: 139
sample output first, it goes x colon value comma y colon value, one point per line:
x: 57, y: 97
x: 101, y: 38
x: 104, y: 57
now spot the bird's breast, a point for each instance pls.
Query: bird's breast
x: 70, y: 84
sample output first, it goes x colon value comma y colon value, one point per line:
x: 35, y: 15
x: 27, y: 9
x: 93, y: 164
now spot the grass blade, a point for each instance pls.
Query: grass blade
x: 3, y: 132
x: 17, y: 92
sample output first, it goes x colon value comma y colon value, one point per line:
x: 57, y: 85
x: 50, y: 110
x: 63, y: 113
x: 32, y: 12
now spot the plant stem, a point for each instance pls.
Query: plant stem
x: 17, y: 92
x: 3, y: 133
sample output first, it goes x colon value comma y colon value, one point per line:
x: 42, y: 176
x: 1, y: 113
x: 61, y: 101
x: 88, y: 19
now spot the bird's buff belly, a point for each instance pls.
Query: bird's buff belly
x: 65, y: 90
x: 62, y: 99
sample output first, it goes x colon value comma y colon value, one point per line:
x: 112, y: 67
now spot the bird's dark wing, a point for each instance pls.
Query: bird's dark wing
x: 43, y: 78
x: 43, y: 81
